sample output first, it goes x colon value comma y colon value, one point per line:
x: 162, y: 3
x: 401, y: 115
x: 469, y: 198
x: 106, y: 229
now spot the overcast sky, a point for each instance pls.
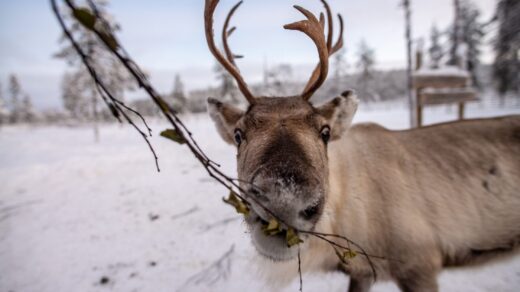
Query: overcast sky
x: 166, y: 37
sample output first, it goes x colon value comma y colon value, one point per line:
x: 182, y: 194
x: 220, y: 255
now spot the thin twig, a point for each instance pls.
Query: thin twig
x: 300, y: 269
x: 212, y: 168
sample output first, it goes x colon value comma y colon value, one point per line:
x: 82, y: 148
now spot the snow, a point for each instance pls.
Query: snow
x: 443, y: 71
x: 74, y: 214
x: 434, y: 90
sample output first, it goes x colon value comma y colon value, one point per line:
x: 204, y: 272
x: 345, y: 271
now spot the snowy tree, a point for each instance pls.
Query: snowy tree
x: 15, y: 91
x: 435, y: 50
x: 178, y: 96
x: 72, y: 95
x: 108, y: 68
x: 27, y: 111
x: 506, y: 66
x: 340, y: 67
x: 340, y: 64
x: 365, y: 64
x: 466, y: 37
x: 279, y: 80
x: 227, y: 89
x: 4, y: 110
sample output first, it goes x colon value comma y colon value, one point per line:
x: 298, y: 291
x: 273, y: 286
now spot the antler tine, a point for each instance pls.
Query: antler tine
x: 227, y: 32
x: 339, y: 43
x: 329, y: 21
x: 331, y: 49
x: 313, y: 28
x: 209, y: 10
x: 322, y: 21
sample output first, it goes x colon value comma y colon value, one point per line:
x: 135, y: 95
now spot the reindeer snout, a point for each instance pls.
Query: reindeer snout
x: 288, y: 193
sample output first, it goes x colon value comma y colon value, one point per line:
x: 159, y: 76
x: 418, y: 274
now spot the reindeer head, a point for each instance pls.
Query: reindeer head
x: 282, y: 141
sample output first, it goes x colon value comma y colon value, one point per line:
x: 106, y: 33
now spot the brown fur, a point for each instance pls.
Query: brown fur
x: 439, y: 196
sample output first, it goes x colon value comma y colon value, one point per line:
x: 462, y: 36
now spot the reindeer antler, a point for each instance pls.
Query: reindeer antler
x: 228, y: 63
x: 226, y: 33
x: 319, y: 73
x: 313, y: 29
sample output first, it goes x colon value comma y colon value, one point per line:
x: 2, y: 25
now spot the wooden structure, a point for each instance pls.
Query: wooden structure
x: 441, y: 86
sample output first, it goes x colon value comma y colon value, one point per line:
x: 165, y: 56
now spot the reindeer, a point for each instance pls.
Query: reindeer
x: 422, y: 199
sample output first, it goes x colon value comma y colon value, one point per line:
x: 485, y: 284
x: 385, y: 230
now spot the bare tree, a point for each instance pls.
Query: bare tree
x: 109, y: 69
x: 72, y: 96
x: 408, y: 38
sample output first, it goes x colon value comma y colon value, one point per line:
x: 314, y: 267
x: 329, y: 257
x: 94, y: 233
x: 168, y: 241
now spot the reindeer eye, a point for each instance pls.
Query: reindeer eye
x: 325, y: 134
x: 238, y: 137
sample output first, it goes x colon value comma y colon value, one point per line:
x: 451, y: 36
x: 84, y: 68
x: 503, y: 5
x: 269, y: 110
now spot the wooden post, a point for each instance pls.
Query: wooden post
x: 419, y: 108
x: 418, y: 60
x: 461, y: 111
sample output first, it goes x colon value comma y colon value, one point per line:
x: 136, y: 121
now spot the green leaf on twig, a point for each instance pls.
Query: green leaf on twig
x: 292, y: 238
x: 236, y: 202
x: 272, y: 228
x: 85, y: 17
x: 173, y: 135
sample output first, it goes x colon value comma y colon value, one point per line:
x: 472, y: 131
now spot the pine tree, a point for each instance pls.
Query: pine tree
x: 435, y: 50
x: 15, y: 90
x: 178, y: 96
x: 227, y: 88
x: 365, y: 64
x: 506, y: 66
x: 108, y: 68
x: 340, y: 66
x: 279, y: 79
x: 27, y: 111
x: 4, y: 111
x: 466, y: 38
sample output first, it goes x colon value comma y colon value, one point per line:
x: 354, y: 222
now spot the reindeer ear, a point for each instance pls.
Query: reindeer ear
x: 225, y: 117
x: 339, y: 113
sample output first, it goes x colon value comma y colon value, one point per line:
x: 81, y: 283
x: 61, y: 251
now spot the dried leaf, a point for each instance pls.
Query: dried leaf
x: 272, y: 228
x: 173, y: 135
x: 109, y: 39
x: 292, y: 238
x: 164, y: 105
x: 85, y: 17
x: 346, y: 255
x: 239, y: 205
x: 349, y: 254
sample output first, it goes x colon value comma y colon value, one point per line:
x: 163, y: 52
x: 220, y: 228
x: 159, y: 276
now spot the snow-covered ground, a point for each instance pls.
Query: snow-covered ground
x: 81, y: 216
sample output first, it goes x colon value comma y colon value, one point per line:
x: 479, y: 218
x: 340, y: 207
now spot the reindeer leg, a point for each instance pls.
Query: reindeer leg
x: 424, y: 282
x: 360, y: 284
